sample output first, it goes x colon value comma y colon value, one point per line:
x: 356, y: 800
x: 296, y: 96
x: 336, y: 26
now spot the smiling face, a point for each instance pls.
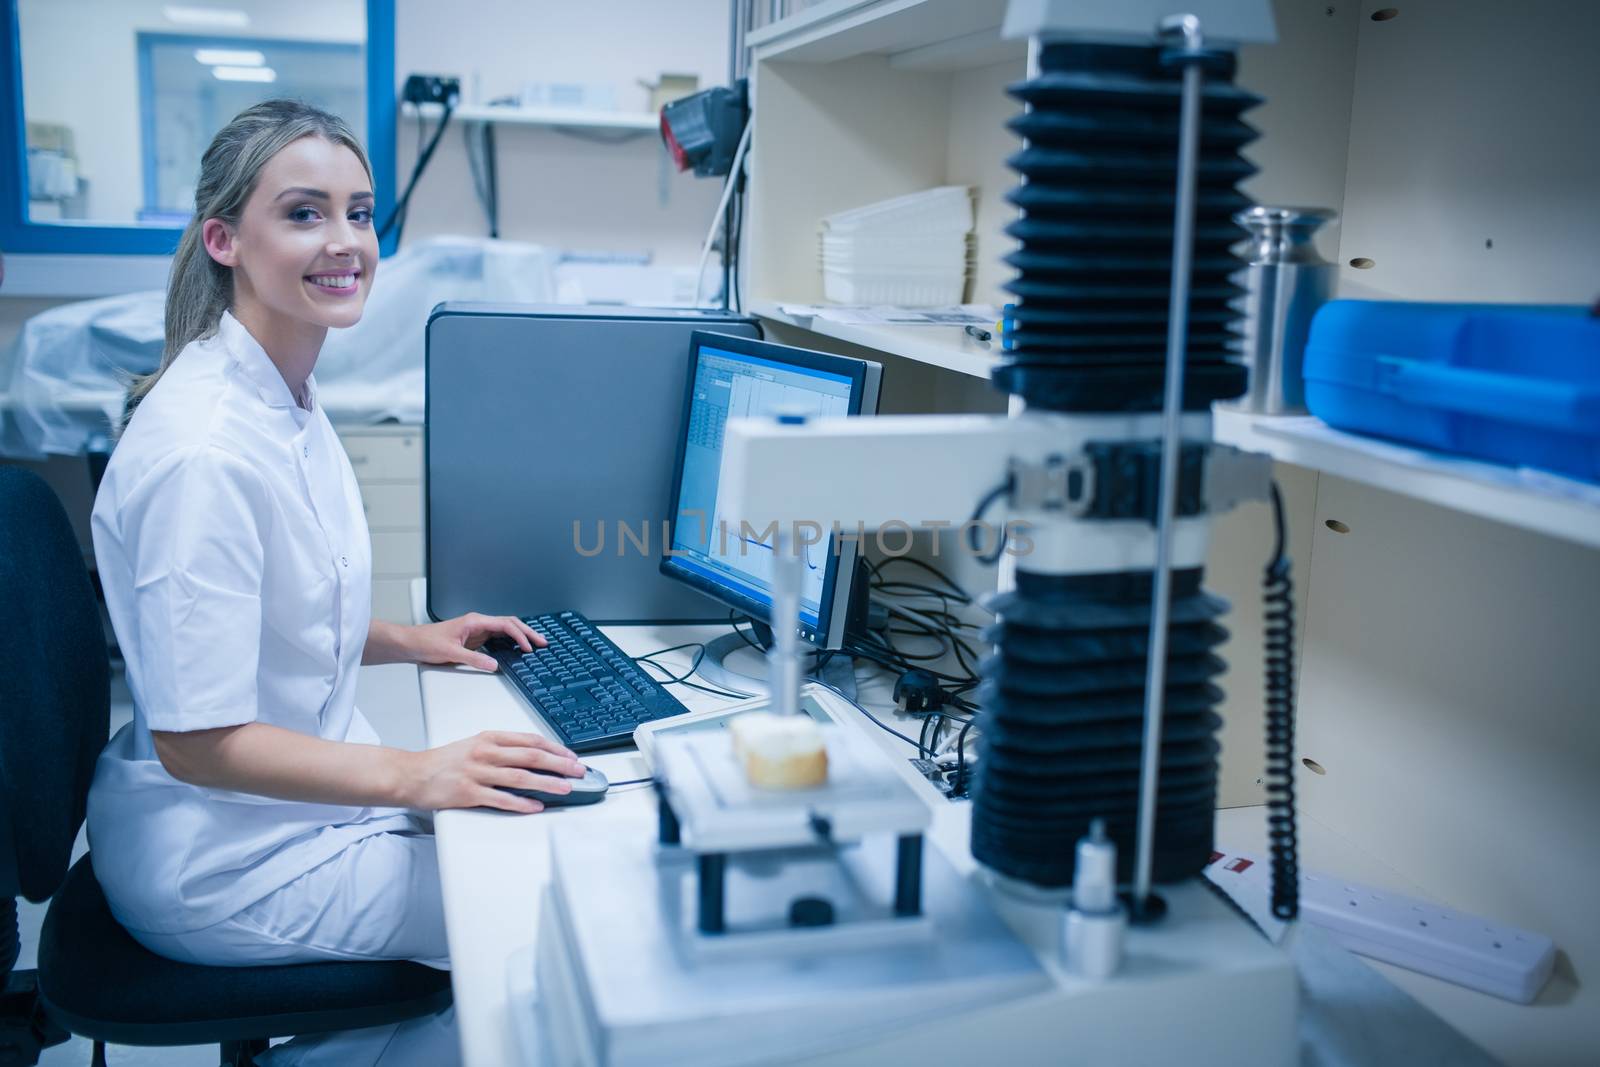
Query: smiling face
x: 304, y: 249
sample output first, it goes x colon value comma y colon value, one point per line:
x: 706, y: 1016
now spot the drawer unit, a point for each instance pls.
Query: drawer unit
x: 392, y: 505
x: 388, y: 466
x: 396, y: 553
x: 391, y: 600
x: 383, y: 454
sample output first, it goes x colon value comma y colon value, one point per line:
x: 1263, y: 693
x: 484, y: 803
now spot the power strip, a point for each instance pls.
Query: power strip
x: 1418, y: 935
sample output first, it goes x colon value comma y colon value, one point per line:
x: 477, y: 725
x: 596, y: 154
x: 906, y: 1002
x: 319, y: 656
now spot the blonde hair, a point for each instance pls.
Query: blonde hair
x: 200, y: 289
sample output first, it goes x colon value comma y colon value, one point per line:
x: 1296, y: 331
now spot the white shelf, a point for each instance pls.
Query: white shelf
x: 559, y: 117
x: 1543, y: 503
x: 917, y: 34
x: 344, y: 404
x: 1531, y: 500
x: 949, y: 347
x: 83, y: 276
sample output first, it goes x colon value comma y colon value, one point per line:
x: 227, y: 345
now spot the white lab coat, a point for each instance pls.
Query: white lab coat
x: 233, y: 550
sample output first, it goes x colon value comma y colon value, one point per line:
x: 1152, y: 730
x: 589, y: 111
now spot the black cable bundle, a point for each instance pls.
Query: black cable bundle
x: 1282, y: 834
x: 397, y: 219
x: 480, y: 142
x: 1089, y: 329
x: 1063, y: 695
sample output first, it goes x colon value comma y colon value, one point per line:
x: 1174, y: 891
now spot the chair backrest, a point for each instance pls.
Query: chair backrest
x: 55, y: 681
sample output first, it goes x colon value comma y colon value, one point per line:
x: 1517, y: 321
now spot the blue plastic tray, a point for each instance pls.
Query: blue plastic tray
x: 1512, y: 384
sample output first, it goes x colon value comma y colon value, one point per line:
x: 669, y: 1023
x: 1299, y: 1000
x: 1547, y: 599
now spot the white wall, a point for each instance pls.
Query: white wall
x: 80, y: 69
x: 556, y: 189
x: 1475, y: 154
x: 1306, y: 80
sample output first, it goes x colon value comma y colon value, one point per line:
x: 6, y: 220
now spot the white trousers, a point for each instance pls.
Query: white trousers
x: 377, y: 900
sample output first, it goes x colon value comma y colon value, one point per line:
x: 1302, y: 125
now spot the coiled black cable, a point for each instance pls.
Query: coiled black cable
x: 1282, y: 832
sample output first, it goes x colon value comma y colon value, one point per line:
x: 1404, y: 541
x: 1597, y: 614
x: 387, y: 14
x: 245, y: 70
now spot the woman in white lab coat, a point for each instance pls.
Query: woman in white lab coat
x: 249, y: 814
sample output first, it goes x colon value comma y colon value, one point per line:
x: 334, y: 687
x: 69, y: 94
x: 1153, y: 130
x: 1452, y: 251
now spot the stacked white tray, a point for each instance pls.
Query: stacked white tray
x: 911, y: 251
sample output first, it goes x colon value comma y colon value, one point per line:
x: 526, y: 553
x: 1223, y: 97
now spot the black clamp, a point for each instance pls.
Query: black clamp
x: 1057, y: 483
x: 1122, y: 480
x: 1127, y: 479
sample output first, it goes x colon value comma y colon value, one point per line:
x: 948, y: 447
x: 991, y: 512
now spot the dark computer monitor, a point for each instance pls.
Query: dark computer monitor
x: 733, y: 377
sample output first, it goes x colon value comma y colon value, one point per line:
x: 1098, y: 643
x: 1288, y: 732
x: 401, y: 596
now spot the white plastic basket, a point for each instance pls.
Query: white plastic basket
x: 948, y: 207
x: 896, y: 251
x: 901, y: 290
x: 912, y: 251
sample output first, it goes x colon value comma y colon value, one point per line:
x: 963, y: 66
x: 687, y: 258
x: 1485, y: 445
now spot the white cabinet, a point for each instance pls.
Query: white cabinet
x: 387, y: 460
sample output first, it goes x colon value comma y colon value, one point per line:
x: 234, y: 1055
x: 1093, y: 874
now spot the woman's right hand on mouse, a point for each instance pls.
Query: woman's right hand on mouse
x: 471, y: 772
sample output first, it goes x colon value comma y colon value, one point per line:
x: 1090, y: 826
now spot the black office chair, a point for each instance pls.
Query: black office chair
x: 93, y: 979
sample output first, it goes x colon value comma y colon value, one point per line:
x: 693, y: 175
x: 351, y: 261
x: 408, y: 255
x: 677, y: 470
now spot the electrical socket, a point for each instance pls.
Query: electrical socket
x: 431, y: 89
x: 1418, y: 935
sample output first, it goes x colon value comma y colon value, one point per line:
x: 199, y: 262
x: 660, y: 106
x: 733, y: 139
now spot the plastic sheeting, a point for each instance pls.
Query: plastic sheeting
x: 63, y: 380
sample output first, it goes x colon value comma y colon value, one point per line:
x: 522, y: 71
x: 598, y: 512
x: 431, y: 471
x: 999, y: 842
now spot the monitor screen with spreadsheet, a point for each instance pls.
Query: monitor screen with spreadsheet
x: 731, y: 377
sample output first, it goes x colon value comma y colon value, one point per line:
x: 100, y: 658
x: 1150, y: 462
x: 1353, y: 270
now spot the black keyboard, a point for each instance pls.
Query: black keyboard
x: 587, y: 688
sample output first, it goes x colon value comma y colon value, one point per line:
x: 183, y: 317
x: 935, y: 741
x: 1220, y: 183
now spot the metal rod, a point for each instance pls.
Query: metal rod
x: 747, y: 18
x: 1171, y: 414
x: 784, y: 672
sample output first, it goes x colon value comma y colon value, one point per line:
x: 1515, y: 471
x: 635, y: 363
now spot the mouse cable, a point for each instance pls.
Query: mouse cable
x: 674, y: 679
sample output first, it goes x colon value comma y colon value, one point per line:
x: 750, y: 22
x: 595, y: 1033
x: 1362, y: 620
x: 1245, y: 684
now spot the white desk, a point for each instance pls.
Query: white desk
x: 494, y: 867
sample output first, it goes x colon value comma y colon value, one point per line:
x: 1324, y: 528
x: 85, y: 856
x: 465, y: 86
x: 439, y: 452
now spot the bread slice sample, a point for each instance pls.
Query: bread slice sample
x: 780, y: 751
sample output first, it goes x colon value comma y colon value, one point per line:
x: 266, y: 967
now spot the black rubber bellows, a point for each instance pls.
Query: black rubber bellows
x: 1063, y: 694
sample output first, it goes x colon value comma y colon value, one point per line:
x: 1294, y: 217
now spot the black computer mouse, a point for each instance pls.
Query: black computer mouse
x: 589, y: 789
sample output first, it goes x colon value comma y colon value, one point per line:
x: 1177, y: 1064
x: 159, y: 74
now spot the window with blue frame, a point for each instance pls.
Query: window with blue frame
x: 114, y: 101
x: 190, y: 86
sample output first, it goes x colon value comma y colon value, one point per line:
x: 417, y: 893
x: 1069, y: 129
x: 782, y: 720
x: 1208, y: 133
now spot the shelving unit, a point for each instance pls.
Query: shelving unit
x: 555, y: 117
x: 1446, y: 609
x: 946, y: 347
x: 857, y: 102
x: 912, y: 34
x: 1527, y: 499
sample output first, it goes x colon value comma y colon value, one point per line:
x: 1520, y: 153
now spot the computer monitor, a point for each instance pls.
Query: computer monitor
x: 734, y: 377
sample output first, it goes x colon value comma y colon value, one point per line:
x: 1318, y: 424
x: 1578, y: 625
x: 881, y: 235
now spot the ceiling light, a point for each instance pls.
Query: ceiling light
x: 229, y: 57
x: 205, y: 16
x: 244, y: 74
